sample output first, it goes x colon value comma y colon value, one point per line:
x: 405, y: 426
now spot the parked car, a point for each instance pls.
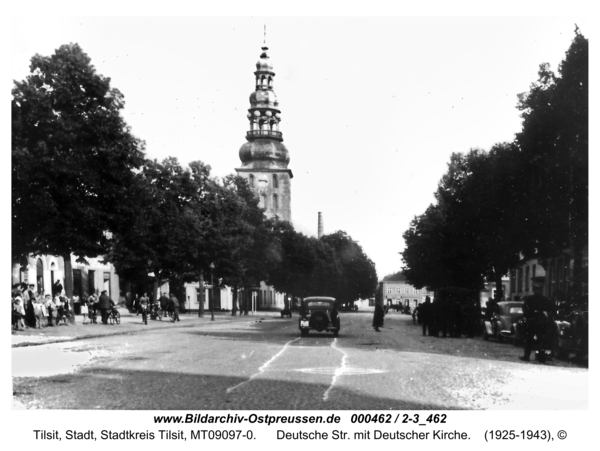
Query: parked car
x: 570, y: 335
x: 319, y: 313
x: 500, y: 325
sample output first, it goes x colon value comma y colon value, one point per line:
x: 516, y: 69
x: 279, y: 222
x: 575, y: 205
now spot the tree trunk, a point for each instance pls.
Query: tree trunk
x: 201, y: 296
x: 234, y: 307
x: 68, y: 278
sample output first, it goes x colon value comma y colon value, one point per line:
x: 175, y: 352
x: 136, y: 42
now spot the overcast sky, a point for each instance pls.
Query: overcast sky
x: 372, y: 108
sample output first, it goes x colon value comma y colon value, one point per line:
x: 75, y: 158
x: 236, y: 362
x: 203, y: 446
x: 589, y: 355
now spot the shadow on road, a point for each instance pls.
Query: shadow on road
x: 107, y: 389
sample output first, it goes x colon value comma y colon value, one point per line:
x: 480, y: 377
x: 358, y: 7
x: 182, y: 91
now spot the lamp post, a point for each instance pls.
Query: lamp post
x: 212, y: 293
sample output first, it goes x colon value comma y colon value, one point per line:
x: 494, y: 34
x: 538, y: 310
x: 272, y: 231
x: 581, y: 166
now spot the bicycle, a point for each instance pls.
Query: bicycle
x: 114, y: 316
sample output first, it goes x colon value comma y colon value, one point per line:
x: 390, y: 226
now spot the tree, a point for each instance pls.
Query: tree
x: 483, y: 226
x: 554, y: 143
x: 358, y: 275
x: 156, y: 239
x: 72, y: 159
x: 424, y: 250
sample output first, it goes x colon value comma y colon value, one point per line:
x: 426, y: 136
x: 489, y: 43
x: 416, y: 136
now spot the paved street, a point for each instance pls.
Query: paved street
x: 260, y: 362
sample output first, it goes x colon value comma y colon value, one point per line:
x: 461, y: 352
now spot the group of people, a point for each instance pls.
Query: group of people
x: 448, y: 315
x: 102, y: 304
x: 160, y: 308
x: 37, y: 310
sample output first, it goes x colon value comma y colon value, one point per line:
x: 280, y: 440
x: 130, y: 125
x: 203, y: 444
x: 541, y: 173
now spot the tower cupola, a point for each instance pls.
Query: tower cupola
x: 264, y: 156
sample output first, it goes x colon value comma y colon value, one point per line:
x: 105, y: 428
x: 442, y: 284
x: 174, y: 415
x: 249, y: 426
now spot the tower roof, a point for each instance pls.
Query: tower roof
x: 263, y: 64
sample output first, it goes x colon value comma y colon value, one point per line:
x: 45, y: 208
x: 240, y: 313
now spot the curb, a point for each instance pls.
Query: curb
x: 54, y: 340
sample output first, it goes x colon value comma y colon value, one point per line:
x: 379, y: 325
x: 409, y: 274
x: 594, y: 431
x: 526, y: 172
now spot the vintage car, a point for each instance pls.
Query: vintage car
x: 500, y: 325
x: 570, y: 335
x: 319, y: 313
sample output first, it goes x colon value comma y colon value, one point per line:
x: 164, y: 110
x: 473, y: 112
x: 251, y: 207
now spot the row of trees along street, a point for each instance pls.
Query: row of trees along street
x: 527, y: 197
x: 82, y: 185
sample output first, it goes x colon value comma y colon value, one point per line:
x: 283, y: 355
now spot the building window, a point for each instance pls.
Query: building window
x: 520, y: 280
x: 251, y: 180
x: 275, y: 181
x: 275, y: 202
x: 526, y: 278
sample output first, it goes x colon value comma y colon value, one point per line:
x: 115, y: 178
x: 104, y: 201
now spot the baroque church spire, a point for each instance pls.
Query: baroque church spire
x: 264, y: 156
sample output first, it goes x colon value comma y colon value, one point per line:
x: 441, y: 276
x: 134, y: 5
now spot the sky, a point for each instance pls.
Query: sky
x: 372, y: 107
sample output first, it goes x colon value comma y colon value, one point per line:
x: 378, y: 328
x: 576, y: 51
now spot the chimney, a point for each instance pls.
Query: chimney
x: 320, y: 233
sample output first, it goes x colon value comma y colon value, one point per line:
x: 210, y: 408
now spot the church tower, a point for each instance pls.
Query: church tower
x: 264, y: 156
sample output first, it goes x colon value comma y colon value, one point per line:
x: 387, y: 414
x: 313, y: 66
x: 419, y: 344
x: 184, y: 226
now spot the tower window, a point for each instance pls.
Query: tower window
x: 251, y: 181
x: 275, y: 181
x: 275, y: 201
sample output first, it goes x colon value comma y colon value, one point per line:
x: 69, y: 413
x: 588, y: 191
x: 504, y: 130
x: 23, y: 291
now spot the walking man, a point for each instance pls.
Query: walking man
x: 175, y: 306
x: 536, y: 310
x: 105, y: 304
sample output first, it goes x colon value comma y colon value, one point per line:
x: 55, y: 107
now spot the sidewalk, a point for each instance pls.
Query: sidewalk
x: 130, y: 324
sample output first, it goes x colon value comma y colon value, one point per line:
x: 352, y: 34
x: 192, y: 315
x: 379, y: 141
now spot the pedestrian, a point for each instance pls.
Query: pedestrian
x: 164, y: 304
x: 51, y: 309
x: 84, y: 310
x: 425, y: 315
x: 16, y: 290
x: 136, y: 303
x: 92, y: 308
x: 175, y: 308
x: 143, y: 309
x: 57, y: 288
x: 378, y: 317
x: 18, y: 313
x: 535, y: 308
x: 415, y: 314
x: 105, y: 304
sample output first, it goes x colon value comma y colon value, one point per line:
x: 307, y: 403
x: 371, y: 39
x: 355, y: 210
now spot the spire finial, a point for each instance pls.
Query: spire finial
x: 265, y: 37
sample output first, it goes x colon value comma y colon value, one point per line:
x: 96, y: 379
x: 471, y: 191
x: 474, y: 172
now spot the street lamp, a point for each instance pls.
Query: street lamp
x: 212, y: 293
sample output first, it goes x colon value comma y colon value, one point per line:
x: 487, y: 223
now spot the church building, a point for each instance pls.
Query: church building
x: 264, y: 156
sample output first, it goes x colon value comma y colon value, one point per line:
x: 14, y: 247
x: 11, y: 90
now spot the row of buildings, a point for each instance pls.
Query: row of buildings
x: 557, y: 275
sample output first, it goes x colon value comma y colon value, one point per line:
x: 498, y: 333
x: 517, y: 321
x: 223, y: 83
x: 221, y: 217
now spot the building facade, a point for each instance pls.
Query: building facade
x: 91, y: 278
x: 264, y: 157
x: 397, y: 290
x: 557, y: 273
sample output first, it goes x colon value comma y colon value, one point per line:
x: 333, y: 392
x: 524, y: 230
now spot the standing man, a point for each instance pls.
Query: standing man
x: 105, y: 305
x: 425, y: 315
x: 175, y: 306
x: 57, y: 288
x: 164, y: 304
x: 378, y: 317
x: 535, y: 309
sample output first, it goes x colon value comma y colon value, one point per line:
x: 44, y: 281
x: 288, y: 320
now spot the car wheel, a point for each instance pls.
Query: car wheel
x: 318, y: 321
